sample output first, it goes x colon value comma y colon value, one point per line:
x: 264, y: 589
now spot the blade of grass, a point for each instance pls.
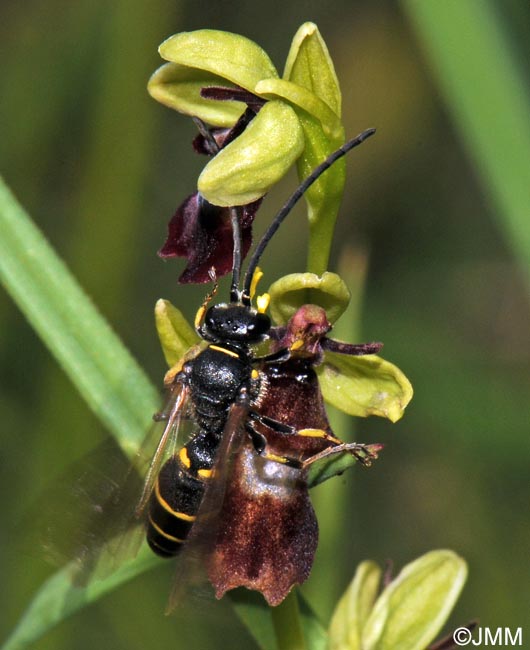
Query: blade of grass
x: 315, y: 634
x: 489, y: 98
x: 58, y: 598
x: 91, y: 354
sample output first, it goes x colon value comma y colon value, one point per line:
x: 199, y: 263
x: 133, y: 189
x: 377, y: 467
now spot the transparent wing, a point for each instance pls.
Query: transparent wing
x: 90, y: 516
x: 172, y: 416
x: 191, y: 563
x: 122, y: 540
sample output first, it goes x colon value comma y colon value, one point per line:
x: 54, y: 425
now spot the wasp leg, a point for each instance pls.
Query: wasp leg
x: 280, y: 427
x: 275, y: 425
x: 365, y: 454
x: 260, y: 444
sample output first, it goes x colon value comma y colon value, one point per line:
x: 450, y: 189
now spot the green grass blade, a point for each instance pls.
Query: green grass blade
x: 91, y: 354
x: 315, y: 634
x: 488, y: 95
x: 58, y: 598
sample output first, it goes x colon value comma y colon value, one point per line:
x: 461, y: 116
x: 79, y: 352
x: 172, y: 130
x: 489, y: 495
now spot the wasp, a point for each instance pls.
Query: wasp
x: 258, y: 423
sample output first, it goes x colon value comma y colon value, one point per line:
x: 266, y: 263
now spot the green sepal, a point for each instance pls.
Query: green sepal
x: 353, y: 609
x: 309, y: 65
x: 302, y: 98
x: 292, y: 291
x: 413, y: 608
x: 245, y: 169
x: 175, y: 334
x: 363, y: 386
x: 324, y: 197
x: 230, y: 56
x: 179, y: 87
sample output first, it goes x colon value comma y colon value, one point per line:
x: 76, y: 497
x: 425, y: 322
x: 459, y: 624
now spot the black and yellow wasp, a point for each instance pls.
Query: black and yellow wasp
x: 258, y: 422
x: 227, y: 460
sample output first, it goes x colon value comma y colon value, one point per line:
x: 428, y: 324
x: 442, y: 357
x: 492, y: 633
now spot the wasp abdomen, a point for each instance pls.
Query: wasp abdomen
x: 177, y: 495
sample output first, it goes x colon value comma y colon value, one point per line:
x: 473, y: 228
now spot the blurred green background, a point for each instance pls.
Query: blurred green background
x: 440, y: 215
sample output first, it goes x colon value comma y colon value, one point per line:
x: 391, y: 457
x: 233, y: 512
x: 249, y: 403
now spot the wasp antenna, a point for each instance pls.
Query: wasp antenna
x: 202, y: 309
x: 294, y: 198
x: 235, y: 294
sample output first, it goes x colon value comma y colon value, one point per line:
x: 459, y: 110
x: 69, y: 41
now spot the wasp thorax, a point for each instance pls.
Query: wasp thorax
x: 235, y: 322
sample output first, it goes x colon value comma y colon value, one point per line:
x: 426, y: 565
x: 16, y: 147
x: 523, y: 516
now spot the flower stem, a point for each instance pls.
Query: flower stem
x: 287, y: 624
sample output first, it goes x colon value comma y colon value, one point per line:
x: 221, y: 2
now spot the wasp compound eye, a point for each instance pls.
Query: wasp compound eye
x: 259, y: 326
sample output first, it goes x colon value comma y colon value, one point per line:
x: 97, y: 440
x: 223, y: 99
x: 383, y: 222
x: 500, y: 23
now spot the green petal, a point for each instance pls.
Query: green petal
x: 363, y: 386
x: 413, y: 608
x: 227, y: 55
x: 245, y: 170
x: 179, y: 87
x: 175, y: 334
x: 353, y: 609
x: 309, y: 65
x: 292, y: 291
x: 302, y: 98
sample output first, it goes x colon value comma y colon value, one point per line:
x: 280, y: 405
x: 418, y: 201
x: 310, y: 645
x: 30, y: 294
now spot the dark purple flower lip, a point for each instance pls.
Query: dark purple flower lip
x: 200, y: 231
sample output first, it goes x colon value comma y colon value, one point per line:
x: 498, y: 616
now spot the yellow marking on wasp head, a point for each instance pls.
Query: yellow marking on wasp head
x: 199, y: 316
x: 262, y: 302
x: 254, y: 374
x: 184, y: 458
x: 205, y: 473
x: 258, y: 274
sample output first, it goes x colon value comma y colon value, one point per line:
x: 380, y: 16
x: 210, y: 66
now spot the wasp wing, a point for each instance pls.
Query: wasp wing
x: 89, y: 516
x: 123, y: 541
x: 174, y: 412
x: 191, y: 563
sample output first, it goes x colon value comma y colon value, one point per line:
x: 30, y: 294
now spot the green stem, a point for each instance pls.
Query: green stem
x: 287, y: 624
x: 320, y: 240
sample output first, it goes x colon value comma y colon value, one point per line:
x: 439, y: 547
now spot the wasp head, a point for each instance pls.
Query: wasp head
x: 234, y: 323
